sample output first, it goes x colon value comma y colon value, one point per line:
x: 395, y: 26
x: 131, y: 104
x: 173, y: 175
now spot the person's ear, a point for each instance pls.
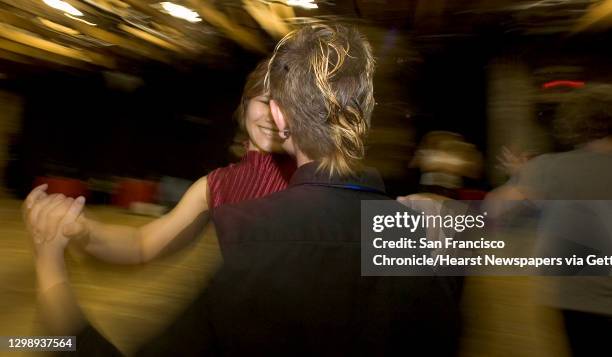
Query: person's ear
x: 278, y: 117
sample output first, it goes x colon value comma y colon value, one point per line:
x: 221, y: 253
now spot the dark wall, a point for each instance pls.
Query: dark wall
x: 176, y: 123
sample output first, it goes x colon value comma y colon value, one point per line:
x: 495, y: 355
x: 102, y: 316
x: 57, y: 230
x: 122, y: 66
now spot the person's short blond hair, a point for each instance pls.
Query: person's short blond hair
x: 322, y: 78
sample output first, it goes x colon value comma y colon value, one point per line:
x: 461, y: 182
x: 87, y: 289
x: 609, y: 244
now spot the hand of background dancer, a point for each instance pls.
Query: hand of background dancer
x: 511, y: 163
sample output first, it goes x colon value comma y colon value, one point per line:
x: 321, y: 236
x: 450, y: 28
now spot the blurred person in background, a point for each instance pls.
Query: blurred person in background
x: 449, y: 166
x: 291, y: 279
x: 585, y: 173
x: 264, y: 169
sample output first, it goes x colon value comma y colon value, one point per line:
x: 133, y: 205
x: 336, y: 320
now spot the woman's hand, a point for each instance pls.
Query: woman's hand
x: 57, y: 214
x: 49, y: 217
x: 46, y: 217
x: 34, y: 196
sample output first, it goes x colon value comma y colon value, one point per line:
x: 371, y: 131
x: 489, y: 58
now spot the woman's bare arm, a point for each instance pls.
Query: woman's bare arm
x: 130, y: 245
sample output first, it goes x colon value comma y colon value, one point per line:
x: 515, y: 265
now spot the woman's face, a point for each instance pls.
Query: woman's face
x: 263, y: 134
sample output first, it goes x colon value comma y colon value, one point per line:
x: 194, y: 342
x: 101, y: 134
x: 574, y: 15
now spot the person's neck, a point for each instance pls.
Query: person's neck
x: 301, y: 158
x: 600, y: 145
x: 252, y: 147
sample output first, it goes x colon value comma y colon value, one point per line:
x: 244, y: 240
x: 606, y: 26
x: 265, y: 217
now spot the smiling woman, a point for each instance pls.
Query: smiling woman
x: 253, y: 114
x: 265, y: 168
x: 259, y: 173
x: 263, y: 134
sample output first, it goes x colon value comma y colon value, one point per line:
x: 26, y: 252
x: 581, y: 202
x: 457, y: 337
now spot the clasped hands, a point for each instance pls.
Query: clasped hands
x: 52, y: 221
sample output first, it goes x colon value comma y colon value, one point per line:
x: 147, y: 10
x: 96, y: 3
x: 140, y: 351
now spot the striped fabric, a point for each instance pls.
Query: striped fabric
x: 256, y: 175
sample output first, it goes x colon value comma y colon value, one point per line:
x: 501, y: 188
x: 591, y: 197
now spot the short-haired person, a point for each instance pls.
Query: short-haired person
x: 291, y: 281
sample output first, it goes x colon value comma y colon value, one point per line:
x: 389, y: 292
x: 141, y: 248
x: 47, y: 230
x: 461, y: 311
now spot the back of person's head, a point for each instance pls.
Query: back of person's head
x: 321, y: 78
x: 586, y: 115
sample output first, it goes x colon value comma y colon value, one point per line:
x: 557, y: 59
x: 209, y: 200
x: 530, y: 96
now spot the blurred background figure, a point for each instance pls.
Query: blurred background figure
x: 450, y: 169
x: 574, y: 228
x: 449, y: 166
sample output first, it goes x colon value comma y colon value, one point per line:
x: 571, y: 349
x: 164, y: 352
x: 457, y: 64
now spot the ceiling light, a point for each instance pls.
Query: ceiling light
x: 82, y: 20
x: 63, y: 6
x: 180, y: 11
x: 57, y: 27
x: 306, y: 4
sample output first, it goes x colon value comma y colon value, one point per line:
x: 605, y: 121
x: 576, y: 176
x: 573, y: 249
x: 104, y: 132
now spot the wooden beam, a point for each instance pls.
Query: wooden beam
x: 216, y: 18
x: 16, y: 35
x: 133, y: 45
x: 16, y: 57
x: 123, y: 42
x: 31, y: 52
x: 596, y: 14
x: 166, y: 21
x: 160, y: 41
x: 267, y: 17
x: 149, y: 37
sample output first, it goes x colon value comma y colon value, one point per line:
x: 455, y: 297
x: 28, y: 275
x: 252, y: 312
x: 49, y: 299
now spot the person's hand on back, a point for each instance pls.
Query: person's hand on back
x: 512, y: 162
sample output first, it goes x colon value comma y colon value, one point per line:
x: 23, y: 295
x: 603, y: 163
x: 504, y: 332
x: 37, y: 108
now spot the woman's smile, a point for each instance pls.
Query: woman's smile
x: 268, y: 130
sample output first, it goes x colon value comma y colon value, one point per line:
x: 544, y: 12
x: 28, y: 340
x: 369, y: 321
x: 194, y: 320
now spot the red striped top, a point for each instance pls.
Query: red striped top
x: 256, y: 175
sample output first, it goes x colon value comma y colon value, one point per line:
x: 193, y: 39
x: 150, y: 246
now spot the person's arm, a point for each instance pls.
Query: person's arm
x: 59, y: 308
x: 124, y: 244
x: 131, y: 245
x: 526, y: 184
x: 58, y: 305
x: 61, y: 312
x: 504, y: 199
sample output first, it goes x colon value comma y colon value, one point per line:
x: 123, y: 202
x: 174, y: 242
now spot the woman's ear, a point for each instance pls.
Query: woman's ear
x: 277, y: 116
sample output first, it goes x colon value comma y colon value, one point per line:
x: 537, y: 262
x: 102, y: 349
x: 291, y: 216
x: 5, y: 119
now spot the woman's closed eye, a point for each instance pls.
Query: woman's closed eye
x: 262, y: 99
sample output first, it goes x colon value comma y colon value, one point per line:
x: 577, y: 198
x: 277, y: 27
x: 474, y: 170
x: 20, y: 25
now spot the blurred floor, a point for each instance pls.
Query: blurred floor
x: 126, y: 303
x: 130, y: 303
x: 501, y: 318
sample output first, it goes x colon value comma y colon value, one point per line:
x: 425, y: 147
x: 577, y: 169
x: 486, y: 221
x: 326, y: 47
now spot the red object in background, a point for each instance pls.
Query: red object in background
x: 468, y: 194
x: 67, y: 186
x: 563, y: 83
x: 134, y: 190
